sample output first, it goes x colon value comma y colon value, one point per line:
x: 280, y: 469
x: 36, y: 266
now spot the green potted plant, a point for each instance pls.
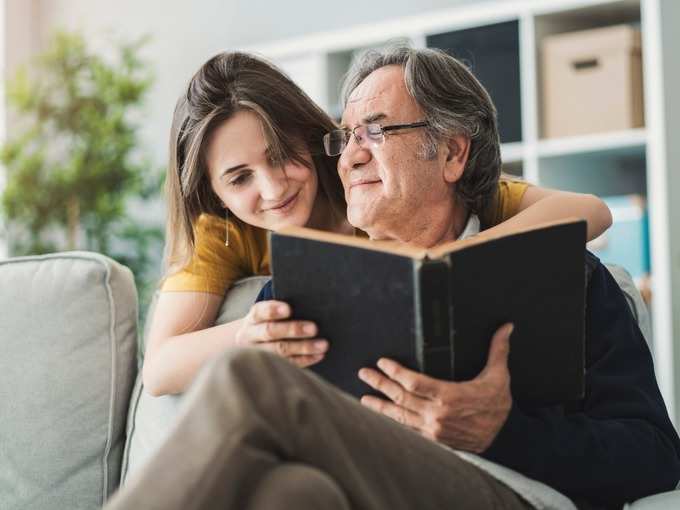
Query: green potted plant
x: 73, y: 160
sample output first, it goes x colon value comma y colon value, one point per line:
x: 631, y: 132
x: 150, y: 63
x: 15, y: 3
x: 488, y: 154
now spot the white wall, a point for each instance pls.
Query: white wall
x: 185, y: 34
x: 17, y: 42
x: 3, y: 123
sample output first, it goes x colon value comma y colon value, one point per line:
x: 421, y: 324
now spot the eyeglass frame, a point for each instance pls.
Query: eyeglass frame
x: 383, y: 130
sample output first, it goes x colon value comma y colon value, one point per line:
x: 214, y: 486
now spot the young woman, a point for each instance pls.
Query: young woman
x: 246, y: 156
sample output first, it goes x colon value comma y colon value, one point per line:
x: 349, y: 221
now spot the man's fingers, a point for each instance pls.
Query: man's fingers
x: 268, y: 311
x: 292, y: 348
x: 414, y: 382
x: 391, y: 389
x: 277, y: 330
x: 499, y: 349
x: 397, y: 413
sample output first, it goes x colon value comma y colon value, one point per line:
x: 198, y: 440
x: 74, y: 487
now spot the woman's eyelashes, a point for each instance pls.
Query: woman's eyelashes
x: 244, y: 175
x: 240, y: 179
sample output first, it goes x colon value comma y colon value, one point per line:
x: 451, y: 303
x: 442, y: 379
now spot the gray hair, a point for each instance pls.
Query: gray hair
x: 454, y: 103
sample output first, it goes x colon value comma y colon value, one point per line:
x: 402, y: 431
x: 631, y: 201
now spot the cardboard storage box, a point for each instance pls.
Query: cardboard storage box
x: 592, y: 81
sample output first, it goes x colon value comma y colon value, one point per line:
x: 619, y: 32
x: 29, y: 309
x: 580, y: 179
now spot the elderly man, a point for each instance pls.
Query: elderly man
x: 257, y: 432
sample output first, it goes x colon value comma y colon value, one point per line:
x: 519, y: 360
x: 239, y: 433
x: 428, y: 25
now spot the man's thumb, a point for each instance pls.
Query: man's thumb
x: 500, y: 346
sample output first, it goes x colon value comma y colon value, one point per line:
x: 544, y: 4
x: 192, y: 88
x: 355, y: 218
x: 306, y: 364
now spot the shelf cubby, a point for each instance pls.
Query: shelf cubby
x: 492, y: 54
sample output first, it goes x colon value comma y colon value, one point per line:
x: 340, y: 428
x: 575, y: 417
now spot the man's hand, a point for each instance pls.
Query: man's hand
x: 267, y: 327
x: 463, y: 415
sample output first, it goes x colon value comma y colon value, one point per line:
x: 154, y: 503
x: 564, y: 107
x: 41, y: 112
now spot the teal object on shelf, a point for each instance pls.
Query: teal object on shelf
x: 626, y: 243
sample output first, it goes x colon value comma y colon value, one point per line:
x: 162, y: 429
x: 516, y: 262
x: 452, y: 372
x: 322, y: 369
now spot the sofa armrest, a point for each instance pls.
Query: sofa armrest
x: 150, y: 418
x: 68, y: 335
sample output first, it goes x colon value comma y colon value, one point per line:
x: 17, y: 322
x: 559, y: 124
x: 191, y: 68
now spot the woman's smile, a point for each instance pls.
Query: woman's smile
x: 284, y: 207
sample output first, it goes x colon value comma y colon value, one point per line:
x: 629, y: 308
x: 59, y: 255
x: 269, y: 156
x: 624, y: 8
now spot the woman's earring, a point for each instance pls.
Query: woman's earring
x: 226, y: 227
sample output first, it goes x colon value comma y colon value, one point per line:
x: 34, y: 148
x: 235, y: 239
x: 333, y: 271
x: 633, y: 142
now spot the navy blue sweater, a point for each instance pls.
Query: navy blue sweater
x: 266, y: 293
x: 617, y: 444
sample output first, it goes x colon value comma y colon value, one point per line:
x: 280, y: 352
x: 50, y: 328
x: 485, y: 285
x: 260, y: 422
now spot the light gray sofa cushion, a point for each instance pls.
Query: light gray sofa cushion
x: 637, y: 305
x: 150, y: 418
x: 68, y: 335
x: 664, y: 501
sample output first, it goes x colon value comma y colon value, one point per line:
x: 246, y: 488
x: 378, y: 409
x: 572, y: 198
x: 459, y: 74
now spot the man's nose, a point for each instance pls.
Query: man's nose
x: 273, y: 183
x: 354, y: 155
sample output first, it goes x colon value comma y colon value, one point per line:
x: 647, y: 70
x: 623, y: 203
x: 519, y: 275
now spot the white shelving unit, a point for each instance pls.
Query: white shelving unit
x: 644, y: 161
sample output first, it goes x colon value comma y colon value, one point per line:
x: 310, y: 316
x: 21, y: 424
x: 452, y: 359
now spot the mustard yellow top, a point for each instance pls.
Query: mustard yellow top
x: 215, y: 266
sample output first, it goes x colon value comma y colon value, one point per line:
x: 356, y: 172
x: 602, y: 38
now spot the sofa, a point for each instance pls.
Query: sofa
x: 71, y: 397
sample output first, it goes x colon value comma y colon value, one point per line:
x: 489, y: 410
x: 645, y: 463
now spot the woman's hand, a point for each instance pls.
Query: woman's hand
x: 266, y: 327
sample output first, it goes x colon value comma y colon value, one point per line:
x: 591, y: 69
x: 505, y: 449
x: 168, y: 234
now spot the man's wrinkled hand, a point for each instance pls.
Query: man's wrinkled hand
x: 463, y: 415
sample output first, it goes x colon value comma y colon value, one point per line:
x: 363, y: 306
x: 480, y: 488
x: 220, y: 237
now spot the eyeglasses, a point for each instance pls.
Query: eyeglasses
x: 366, y: 135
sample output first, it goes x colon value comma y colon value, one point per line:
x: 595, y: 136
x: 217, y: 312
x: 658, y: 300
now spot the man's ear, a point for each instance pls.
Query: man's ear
x: 457, y: 152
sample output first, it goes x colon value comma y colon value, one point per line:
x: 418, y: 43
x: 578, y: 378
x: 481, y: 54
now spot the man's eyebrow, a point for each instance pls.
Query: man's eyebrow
x: 371, y: 117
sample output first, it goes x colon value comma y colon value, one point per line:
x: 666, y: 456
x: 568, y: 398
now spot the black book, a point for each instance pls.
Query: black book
x: 436, y: 310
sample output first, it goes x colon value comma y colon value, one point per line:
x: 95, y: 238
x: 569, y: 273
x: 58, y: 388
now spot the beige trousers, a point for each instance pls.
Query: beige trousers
x: 257, y: 432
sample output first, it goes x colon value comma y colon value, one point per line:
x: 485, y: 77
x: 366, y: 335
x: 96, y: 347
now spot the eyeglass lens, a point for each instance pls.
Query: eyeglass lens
x: 336, y: 141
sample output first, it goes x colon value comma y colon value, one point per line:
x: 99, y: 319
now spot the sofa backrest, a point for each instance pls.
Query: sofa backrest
x: 150, y: 418
x: 68, y: 335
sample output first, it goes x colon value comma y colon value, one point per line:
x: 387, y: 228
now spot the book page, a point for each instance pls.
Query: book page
x: 393, y: 247
x: 443, y: 249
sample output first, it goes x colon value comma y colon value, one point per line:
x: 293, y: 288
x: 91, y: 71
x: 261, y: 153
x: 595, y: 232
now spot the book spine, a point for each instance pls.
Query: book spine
x: 434, y: 350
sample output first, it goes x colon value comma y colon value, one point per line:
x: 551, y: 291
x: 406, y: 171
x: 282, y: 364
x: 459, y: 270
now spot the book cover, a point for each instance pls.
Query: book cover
x: 436, y: 310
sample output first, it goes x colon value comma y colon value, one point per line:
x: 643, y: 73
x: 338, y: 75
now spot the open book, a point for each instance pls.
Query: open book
x: 436, y: 310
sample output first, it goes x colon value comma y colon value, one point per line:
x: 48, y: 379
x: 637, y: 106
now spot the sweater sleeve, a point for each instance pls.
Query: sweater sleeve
x: 505, y: 204
x: 215, y: 265
x: 266, y: 293
x: 619, y: 445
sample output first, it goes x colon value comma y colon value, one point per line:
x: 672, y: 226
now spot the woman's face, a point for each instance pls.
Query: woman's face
x: 249, y: 185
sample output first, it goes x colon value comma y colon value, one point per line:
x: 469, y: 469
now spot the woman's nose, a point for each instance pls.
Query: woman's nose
x: 273, y: 184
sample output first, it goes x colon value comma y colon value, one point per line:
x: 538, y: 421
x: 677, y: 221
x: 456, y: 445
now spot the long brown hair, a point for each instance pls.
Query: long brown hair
x: 293, y: 126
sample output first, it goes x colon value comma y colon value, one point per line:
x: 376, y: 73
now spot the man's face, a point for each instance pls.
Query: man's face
x: 390, y: 188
